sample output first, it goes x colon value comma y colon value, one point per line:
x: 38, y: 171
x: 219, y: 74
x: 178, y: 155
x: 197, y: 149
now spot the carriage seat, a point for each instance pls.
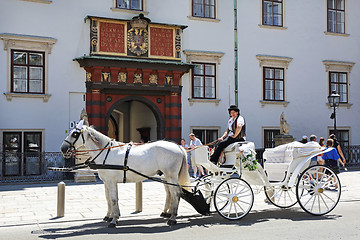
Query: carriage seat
x: 234, y: 147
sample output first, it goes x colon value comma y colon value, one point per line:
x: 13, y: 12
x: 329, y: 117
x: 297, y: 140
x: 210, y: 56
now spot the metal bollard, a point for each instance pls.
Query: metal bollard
x: 61, y: 199
x: 138, y: 207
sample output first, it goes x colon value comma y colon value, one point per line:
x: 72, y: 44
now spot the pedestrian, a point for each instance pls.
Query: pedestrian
x: 322, y: 144
x: 235, y: 132
x: 195, y: 142
x: 331, y: 158
x: 304, y: 139
x: 314, y: 143
x: 337, y: 147
x: 186, y: 147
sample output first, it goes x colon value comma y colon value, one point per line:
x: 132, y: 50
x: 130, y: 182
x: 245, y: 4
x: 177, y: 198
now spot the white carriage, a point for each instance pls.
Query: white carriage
x: 287, y: 178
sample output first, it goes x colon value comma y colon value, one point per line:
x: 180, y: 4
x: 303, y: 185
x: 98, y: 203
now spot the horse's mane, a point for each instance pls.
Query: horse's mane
x: 100, y: 138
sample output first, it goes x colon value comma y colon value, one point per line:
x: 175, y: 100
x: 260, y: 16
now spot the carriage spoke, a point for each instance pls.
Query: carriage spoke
x: 312, y: 206
x: 308, y: 200
x: 324, y: 202
x: 240, y: 207
x: 328, y: 197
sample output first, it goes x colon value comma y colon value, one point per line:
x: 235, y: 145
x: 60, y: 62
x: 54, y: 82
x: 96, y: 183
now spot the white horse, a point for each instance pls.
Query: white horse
x: 148, y: 159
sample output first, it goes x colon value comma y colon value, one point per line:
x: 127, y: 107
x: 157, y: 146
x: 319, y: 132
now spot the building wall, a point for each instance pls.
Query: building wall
x: 307, y: 84
x: 303, y: 40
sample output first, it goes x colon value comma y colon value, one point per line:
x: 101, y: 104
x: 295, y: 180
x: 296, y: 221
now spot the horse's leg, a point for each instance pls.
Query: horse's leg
x: 107, y: 217
x: 165, y: 213
x: 114, y: 205
x: 174, y: 201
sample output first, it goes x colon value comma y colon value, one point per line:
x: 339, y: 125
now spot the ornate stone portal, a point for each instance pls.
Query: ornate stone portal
x: 284, y: 136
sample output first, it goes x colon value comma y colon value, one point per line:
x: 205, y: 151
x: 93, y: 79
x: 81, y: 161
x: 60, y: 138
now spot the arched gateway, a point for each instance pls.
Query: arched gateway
x: 133, y: 78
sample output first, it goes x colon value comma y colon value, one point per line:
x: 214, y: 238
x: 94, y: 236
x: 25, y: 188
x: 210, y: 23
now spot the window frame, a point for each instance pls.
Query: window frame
x: 22, y: 152
x: 339, y: 136
x: 336, y: 11
x: 203, y: 9
x: 205, y: 134
x: 193, y: 75
x: 346, y: 84
x: 28, y: 66
x: 282, y: 13
x: 129, y: 8
x: 267, y: 142
x: 273, y: 83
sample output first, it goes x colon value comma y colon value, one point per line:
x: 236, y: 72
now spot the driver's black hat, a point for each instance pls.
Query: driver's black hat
x: 233, y: 107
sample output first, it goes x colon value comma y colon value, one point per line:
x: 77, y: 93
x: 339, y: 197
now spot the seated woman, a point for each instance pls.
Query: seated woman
x: 235, y: 132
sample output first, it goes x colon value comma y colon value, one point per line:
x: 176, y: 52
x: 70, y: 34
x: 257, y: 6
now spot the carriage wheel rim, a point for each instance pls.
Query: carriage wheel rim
x: 233, y: 199
x: 318, y: 190
x: 282, y: 197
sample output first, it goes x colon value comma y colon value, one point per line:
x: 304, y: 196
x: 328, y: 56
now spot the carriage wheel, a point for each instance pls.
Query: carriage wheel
x: 233, y: 198
x: 318, y: 190
x: 281, y: 196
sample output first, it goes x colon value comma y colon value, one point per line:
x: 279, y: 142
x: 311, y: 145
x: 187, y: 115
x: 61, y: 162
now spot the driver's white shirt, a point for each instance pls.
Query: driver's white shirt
x: 240, y: 121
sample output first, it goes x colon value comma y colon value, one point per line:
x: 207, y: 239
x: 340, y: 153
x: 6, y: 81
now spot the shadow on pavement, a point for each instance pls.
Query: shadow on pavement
x: 158, y: 225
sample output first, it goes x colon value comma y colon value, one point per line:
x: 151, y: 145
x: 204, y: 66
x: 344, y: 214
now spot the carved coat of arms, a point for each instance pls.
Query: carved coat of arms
x: 138, y: 36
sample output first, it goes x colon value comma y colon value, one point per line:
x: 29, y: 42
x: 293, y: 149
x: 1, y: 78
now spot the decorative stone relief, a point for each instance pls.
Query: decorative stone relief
x: 168, y: 80
x: 138, y: 78
x: 153, y: 79
x: 105, y: 77
x: 121, y: 77
x: 88, y: 76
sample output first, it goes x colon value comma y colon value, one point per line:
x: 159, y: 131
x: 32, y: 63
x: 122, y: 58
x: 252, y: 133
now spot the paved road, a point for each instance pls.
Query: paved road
x: 29, y: 212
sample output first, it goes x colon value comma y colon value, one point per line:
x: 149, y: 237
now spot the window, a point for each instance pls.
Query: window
x: 273, y: 84
x: 27, y: 71
x: 342, y: 136
x: 203, y: 8
x: 204, y: 80
x: 336, y: 16
x: 206, y: 135
x: 339, y: 83
x: 269, y: 135
x: 28, y: 65
x: 22, y: 153
x: 130, y: 4
x: 272, y: 13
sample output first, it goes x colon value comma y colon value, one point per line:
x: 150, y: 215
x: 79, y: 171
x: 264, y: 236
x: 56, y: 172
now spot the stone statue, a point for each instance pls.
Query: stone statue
x: 284, y: 126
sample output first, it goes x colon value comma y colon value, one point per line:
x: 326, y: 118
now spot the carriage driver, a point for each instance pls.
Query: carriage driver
x: 235, y: 132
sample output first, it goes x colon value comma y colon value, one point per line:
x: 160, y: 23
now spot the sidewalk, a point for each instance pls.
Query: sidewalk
x: 36, y: 203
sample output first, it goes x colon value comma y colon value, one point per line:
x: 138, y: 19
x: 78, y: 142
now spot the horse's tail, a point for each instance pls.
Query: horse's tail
x: 184, y: 177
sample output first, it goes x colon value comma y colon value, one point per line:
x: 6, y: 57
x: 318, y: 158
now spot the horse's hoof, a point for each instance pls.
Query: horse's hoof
x: 106, y: 219
x: 171, y: 222
x: 165, y: 215
x: 109, y: 219
x: 112, y: 225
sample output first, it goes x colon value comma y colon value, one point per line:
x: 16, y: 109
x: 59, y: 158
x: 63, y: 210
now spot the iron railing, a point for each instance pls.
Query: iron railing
x: 352, y: 156
x: 31, y: 167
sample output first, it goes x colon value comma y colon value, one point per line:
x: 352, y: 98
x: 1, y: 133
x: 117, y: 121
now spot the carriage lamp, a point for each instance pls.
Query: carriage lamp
x: 334, y: 100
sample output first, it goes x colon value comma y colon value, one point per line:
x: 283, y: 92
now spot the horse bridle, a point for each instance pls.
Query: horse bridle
x: 76, y: 134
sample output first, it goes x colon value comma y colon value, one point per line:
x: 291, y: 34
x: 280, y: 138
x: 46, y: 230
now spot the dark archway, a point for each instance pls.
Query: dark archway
x: 156, y: 111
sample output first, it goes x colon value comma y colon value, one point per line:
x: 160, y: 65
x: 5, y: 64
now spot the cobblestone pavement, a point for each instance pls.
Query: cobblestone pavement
x: 36, y: 203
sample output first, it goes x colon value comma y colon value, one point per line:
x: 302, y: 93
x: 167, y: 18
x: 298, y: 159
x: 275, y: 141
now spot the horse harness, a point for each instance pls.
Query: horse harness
x: 91, y: 162
x: 92, y: 165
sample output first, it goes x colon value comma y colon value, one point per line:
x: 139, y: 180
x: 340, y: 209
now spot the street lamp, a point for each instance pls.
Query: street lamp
x: 334, y: 100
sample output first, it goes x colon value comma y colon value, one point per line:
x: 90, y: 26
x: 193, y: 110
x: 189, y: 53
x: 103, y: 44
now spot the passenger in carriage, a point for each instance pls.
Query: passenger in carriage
x: 235, y: 132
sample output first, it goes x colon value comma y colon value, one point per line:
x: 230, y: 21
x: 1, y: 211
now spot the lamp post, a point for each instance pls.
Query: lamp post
x: 334, y: 100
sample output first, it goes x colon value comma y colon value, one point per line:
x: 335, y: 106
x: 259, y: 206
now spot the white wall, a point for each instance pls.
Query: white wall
x: 303, y: 40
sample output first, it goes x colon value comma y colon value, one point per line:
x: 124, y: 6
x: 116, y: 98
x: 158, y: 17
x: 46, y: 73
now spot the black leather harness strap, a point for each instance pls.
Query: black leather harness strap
x: 125, y: 168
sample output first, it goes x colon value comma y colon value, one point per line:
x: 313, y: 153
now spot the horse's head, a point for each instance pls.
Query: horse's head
x: 74, y: 140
